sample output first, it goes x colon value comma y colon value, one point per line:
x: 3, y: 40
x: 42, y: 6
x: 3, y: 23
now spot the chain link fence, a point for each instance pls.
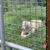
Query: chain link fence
x: 17, y: 11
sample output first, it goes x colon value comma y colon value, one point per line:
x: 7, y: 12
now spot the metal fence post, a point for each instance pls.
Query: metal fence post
x: 1, y: 27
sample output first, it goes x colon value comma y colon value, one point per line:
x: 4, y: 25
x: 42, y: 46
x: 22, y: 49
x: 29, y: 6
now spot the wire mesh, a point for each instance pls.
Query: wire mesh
x: 17, y: 11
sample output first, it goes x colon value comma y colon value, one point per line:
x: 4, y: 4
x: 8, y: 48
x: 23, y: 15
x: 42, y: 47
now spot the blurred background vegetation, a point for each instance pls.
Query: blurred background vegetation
x: 16, y: 11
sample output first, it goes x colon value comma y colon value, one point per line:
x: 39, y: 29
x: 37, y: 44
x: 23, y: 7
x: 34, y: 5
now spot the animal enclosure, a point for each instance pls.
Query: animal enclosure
x: 17, y: 11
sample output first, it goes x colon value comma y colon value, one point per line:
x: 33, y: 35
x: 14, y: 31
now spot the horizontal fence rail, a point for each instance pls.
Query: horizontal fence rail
x: 15, y: 46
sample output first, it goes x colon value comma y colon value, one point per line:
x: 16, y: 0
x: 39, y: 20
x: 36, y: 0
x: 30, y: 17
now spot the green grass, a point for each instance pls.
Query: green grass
x: 13, y: 21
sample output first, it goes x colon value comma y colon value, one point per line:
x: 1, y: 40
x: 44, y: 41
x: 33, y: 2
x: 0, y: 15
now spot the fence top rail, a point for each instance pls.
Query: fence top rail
x: 16, y: 46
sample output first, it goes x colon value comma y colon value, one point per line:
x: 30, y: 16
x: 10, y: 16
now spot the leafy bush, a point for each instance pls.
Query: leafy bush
x: 13, y: 21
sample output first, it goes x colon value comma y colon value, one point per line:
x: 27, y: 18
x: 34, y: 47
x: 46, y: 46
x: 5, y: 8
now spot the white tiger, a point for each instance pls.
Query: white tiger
x: 30, y: 26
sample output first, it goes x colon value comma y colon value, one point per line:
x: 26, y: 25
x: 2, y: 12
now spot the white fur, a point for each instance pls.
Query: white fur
x: 33, y: 25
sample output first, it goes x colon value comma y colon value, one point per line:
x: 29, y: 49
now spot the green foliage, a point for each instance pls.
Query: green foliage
x: 13, y: 21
